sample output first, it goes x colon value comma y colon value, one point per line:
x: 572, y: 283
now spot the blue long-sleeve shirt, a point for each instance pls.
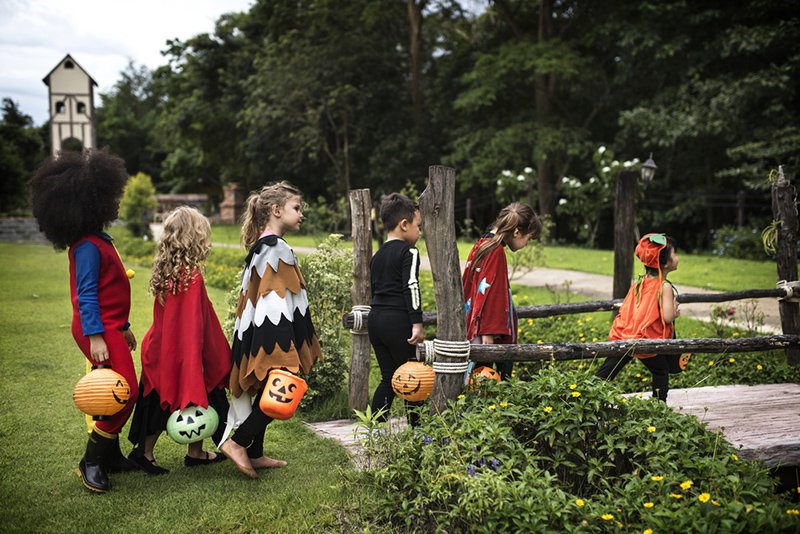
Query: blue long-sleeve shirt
x: 87, y: 275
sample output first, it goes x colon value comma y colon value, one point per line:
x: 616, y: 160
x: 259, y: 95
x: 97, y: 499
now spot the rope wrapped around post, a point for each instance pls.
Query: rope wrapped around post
x: 359, y: 326
x: 450, y: 349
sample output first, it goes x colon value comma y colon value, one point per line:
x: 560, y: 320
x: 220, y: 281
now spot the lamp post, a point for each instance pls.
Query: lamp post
x: 625, y: 196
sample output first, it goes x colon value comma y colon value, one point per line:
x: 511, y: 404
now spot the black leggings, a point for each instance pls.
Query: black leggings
x: 659, y: 366
x: 388, y: 332
x: 251, y: 432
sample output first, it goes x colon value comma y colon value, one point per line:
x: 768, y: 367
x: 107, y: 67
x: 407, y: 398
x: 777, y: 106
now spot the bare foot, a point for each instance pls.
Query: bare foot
x: 265, y: 462
x: 238, y: 455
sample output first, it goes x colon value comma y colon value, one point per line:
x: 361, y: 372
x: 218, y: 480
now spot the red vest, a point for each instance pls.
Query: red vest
x: 113, y: 287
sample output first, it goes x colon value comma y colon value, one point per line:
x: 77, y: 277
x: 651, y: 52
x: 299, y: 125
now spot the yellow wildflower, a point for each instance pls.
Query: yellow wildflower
x: 793, y: 511
x: 548, y: 409
x: 710, y: 363
x: 530, y: 322
x: 609, y: 517
x: 648, y: 531
x: 704, y: 497
x: 651, y: 429
x: 581, y: 366
x: 686, y: 485
x: 656, y: 478
x: 644, y: 379
x: 759, y: 367
x: 732, y: 360
x: 734, y: 457
x: 638, y: 375
x: 589, y: 318
x: 648, y: 505
x: 504, y: 405
x: 461, y: 396
x: 576, y: 394
x: 594, y: 339
x: 715, y: 503
x: 676, y: 496
x: 491, y: 406
x: 573, y: 386
x: 539, y: 341
x: 579, y: 502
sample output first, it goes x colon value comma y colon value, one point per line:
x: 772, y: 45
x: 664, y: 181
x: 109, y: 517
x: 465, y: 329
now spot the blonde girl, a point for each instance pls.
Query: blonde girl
x: 491, y: 317
x: 273, y: 324
x: 185, y: 355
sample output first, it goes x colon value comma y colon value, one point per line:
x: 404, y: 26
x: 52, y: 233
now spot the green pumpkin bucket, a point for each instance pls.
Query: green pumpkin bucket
x: 192, y: 424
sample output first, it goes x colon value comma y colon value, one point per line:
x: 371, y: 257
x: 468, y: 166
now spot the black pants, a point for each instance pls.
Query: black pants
x: 251, y: 432
x: 659, y: 366
x: 388, y: 332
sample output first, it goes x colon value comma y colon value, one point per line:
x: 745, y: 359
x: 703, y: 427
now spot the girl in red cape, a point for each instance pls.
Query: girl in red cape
x: 648, y: 312
x: 491, y: 317
x: 186, y: 358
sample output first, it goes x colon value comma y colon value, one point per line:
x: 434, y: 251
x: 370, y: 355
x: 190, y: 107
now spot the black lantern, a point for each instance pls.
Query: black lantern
x: 648, y: 169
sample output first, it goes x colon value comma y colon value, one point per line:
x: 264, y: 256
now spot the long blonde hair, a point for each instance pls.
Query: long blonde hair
x: 181, y: 251
x: 258, y: 209
x: 515, y: 215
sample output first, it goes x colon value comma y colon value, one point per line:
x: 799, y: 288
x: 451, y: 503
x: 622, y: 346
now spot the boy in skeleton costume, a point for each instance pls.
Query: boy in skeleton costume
x: 273, y: 324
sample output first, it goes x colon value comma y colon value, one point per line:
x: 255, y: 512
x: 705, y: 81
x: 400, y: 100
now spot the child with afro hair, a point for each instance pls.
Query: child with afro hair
x: 74, y: 197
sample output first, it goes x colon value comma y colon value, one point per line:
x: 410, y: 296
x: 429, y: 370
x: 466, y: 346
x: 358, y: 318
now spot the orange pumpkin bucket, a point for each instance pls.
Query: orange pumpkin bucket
x: 101, y: 393
x: 484, y: 373
x: 413, y: 381
x: 282, y: 394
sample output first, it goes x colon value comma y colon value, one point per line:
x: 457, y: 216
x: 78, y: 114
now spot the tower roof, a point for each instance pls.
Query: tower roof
x: 46, y: 79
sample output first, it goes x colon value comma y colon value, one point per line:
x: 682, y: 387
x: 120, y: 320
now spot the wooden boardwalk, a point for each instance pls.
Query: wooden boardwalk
x: 763, y: 420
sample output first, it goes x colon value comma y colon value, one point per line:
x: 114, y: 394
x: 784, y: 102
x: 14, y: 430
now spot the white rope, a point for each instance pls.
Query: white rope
x: 429, y: 355
x: 358, y: 323
x: 449, y: 349
x: 454, y: 368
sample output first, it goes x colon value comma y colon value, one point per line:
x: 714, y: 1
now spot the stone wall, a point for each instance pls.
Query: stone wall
x: 20, y: 230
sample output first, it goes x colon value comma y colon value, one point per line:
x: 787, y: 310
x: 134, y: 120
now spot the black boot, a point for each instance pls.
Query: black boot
x: 92, y: 466
x: 117, y: 463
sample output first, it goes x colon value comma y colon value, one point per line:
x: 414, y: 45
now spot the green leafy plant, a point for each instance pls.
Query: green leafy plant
x: 732, y: 242
x: 137, y: 204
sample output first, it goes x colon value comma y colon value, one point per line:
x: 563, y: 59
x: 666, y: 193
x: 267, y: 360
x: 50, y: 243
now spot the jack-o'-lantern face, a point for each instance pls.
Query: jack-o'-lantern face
x: 413, y: 381
x: 281, y: 390
x: 121, y: 392
x: 483, y: 373
x: 193, y: 423
x: 684, y: 361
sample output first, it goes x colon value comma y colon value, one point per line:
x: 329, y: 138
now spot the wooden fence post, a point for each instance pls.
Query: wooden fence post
x: 784, y: 209
x: 437, y: 207
x: 360, y: 208
x: 624, y: 232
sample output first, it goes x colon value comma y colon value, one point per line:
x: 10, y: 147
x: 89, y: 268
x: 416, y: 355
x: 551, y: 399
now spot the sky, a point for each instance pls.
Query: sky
x: 103, y: 36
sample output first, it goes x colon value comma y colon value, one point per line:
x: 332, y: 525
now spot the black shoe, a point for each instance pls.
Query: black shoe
x: 117, y: 463
x: 91, y: 468
x: 148, y: 466
x: 188, y: 461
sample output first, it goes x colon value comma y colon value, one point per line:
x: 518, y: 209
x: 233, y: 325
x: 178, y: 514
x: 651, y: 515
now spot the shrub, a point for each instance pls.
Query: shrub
x: 565, y: 452
x: 328, y: 273
x: 732, y: 242
x: 138, y: 201
x: 133, y: 249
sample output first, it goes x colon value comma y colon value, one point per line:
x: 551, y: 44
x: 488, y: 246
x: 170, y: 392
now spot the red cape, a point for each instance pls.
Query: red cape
x: 185, y: 353
x: 640, y: 314
x: 487, y: 297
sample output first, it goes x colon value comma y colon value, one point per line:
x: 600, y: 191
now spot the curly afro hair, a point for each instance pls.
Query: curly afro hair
x: 76, y: 194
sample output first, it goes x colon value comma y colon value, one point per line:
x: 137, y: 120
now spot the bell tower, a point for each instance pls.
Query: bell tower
x: 71, y: 102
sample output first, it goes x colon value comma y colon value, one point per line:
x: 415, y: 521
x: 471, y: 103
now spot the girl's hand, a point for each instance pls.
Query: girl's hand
x: 130, y: 339
x: 417, y: 334
x: 98, y: 348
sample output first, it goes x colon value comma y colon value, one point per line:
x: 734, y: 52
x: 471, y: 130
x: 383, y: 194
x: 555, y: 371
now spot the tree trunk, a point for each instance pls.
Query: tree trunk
x: 360, y: 206
x: 784, y: 209
x: 415, y: 55
x: 624, y: 232
x: 437, y: 207
x: 545, y: 84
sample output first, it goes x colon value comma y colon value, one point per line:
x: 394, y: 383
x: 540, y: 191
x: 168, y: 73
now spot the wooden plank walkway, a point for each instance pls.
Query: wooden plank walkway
x: 764, y: 420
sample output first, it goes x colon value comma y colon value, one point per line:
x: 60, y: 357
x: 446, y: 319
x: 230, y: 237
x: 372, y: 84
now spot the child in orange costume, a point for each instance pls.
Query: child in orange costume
x: 648, y: 312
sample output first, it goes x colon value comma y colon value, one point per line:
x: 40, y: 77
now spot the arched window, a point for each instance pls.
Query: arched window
x: 69, y: 64
x: 60, y: 107
x: 81, y: 107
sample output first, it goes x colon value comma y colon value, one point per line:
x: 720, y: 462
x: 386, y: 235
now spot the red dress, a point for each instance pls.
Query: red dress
x: 185, y: 354
x: 487, y: 297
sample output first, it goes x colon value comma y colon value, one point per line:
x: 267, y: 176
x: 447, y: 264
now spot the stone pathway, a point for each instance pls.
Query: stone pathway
x: 349, y: 434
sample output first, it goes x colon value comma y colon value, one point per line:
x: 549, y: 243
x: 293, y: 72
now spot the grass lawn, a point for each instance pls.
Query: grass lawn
x: 44, y: 435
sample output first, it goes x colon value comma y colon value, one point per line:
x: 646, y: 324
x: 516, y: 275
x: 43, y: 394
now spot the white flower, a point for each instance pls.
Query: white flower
x: 592, y: 180
x: 562, y: 201
x: 615, y: 163
x: 626, y: 164
x: 601, y: 150
x: 520, y: 178
x: 507, y: 173
x: 635, y: 160
x: 499, y: 183
x: 564, y: 180
x: 606, y: 169
x: 528, y: 170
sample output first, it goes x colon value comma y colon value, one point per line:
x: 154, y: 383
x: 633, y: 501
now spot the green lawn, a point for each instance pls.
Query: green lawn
x: 696, y: 270
x: 44, y: 435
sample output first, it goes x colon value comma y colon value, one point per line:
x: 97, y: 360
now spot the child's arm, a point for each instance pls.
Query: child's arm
x: 410, y: 273
x: 417, y: 334
x: 87, y: 274
x: 669, y: 306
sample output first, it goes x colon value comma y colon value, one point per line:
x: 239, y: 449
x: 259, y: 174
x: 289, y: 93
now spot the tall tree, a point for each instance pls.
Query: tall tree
x: 21, y: 148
